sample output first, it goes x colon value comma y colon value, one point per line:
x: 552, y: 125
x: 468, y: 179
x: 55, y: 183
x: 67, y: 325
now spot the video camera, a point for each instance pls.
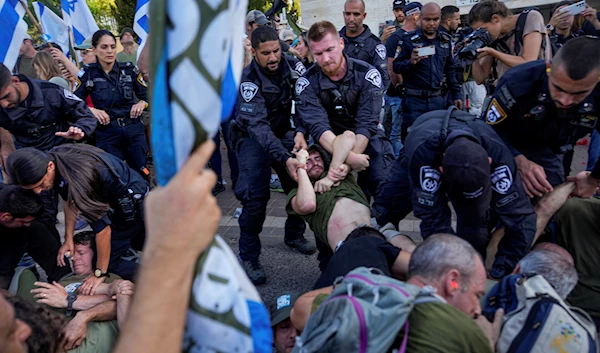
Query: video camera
x: 476, y: 40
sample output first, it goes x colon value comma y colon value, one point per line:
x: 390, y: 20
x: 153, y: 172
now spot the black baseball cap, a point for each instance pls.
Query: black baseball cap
x: 412, y: 8
x: 399, y: 4
x: 281, y: 308
x: 257, y: 17
x: 467, y: 173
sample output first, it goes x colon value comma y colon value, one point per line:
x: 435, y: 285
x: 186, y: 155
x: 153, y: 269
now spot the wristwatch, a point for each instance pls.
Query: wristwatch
x: 71, y: 298
x: 550, y: 27
x: 98, y: 273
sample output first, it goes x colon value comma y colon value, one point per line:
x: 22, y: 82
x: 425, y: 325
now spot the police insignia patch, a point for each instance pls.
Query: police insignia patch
x: 300, y: 69
x: 248, y: 90
x: 141, y: 81
x: 495, y: 113
x: 374, y: 77
x: 430, y: 179
x: 80, y: 73
x: 501, y: 179
x: 301, y: 85
x: 70, y: 95
x: 380, y: 49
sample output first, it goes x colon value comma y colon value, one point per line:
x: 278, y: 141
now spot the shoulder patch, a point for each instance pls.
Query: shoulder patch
x: 300, y: 69
x: 76, y: 84
x: 301, y: 85
x: 80, y: 73
x: 431, y: 179
x: 374, y: 77
x: 141, y: 81
x: 495, y: 114
x: 248, y: 90
x: 70, y: 95
x: 380, y: 49
x: 501, y: 179
x: 505, y: 97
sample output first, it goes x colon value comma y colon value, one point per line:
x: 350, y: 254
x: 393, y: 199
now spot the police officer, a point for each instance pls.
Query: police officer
x: 541, y: 109
x: 264, y: 139
x: 425, y: 76
x: 43, y: 115
x: 114, y: 87
x: 107, y: 192
x: 359, y: 42
x: 452, y: 155
x: 342, y: 94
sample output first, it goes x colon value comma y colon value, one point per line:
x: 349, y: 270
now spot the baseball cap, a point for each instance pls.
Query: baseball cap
x: 87, y: 44
x: 413, y: 8
x: 399, y: 4
x: 467, y: 173
x: 257, y: 17
x: 281, y: 308
x: 126, y: 30
x: 287, y: 34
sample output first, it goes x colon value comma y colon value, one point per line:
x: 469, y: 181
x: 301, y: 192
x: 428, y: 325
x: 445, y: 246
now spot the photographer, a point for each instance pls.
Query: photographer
x: 512, y: 40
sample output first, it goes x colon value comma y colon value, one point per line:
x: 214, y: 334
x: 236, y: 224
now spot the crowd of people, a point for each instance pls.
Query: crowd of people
x: 476, y: 121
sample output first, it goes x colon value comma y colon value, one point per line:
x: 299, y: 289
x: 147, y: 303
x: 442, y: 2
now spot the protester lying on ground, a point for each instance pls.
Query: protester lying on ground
x: 284, y: 333
x: 450, y: 268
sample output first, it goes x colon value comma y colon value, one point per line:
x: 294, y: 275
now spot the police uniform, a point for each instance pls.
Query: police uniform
x: 263, y: 137
x: 116, y: 93
x: 392, y: 96
x: 416, y: 180
x: 352, y: 104
x: 33, y: 123
x: 458, y: 69
x: 424, y: 82
x: 124, y: 190
x: 523, y: 113
x: 368, y: 48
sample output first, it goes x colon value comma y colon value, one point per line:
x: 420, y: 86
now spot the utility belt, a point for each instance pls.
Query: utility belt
x: 422, y: 93
x: 39, y: 131
x: 132, y: 205
x: 122, y: 122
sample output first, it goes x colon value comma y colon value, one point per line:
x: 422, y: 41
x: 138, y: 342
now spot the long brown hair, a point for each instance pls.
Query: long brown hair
x: 46, y: 65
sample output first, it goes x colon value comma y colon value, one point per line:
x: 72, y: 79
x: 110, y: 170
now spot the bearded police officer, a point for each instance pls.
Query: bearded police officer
x: 359, y: 42
x: 264, y: 139
x: 451, y: 155
x: 344, y: 94
x: 541, y: 109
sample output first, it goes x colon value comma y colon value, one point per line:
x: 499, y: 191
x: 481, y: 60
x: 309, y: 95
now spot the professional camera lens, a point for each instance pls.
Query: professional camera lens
x: 476, y: 40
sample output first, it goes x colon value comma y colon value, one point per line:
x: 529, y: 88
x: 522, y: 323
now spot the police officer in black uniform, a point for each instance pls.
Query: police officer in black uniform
x: 114, y: 87
x: 339, y: 94
x: 426, y: 77
x: 264, y: 138
x: 43, y: 115
x: 541, y: 109
x: 451, y: 155
x: 107, y: 192
x: 359, y: 42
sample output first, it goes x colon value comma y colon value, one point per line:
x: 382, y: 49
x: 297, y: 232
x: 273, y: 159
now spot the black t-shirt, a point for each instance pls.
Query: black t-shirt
x: 365, y: 251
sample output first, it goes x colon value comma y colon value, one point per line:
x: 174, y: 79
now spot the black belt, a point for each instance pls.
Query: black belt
x: 122, y: 122
x: 422, y: 93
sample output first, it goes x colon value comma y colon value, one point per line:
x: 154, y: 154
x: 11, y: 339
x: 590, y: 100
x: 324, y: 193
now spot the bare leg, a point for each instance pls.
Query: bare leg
x: 342, y: 145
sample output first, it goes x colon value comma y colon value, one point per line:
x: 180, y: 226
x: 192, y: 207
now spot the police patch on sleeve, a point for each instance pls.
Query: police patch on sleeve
x: 380, y: 50
x: 501, y: 179
x: 141, y: 81
x: 495, y: 113
x: 70, y: 95
x: 374, y: 77
x: 248, y: 90
x: 80, y: 73
x: 431, y: 179
x: 300, y: 69
x: 301, y: 85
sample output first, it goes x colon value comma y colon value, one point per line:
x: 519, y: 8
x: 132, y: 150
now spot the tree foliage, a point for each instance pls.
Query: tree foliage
x: 124, y: 12
x: 293, y: 8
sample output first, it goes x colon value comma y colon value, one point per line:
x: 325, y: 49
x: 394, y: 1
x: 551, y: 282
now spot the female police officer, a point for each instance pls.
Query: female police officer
x: 112, y: 85
x: 103, y: 188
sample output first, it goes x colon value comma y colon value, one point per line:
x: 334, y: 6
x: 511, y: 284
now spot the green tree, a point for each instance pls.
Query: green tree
x: 124, y: 12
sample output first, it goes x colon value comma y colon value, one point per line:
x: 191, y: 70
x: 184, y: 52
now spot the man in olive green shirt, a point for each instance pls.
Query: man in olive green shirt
x: 129, y: 53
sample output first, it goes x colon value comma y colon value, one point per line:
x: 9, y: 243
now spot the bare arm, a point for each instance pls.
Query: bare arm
x: 399, y: 268
x: 342, y: 146
x: 75, y: 331
x: 396, y: 78
x: 532, y: 43
x: 305, y: 201
x: 360, y: 144
x: 85, y: 302
x: 482, y: 68
x: 303, y: 307
x: 550, y: 204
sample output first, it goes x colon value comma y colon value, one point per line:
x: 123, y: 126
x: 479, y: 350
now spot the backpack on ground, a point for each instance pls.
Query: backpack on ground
x: 364, y: 313
x: 537, y: 320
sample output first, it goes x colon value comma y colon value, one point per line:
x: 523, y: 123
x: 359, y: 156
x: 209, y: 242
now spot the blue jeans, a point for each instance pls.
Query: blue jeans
x: 593, y: 150
x: 395, y: 104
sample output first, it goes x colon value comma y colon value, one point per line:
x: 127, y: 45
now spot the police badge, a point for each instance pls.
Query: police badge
x: 380, y: 50
x: 248, y: 90
x: 301, y: 84
x: 501, y: 179
x: 374, y: 77
x: 431, y: 179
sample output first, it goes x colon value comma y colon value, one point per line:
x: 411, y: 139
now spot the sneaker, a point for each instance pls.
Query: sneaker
x: 219, y: 188
x: 301, y: 244
x: 255, y: 272
x: 275, y: 185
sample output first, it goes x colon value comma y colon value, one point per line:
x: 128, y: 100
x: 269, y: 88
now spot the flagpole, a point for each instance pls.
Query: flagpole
x: 33, y: 19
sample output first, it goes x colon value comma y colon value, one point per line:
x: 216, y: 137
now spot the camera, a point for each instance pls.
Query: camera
x: 476, y: 40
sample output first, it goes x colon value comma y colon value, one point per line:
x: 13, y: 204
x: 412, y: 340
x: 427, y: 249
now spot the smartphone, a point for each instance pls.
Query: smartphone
x: 574, y: 9
x: 426, y: 51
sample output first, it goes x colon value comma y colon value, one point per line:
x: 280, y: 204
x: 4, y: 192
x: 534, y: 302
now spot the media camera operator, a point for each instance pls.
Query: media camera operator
x: 503, y: 40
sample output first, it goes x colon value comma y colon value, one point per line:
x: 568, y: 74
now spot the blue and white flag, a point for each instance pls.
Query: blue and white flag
x: 197, y: 60
x: 77, y: 15
x: 53, y: 26
x: 13, y: 30
x: 141, y: 23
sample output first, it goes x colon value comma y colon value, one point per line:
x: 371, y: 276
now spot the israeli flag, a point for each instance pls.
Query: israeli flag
x: 13, y: 31
x: 141, y: 23
x: 77, y: 15
x: 53, y: 26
